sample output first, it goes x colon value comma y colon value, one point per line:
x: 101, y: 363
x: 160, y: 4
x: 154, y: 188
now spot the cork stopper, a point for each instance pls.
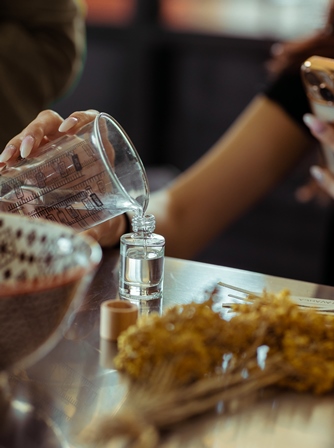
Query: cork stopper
x: 116, y: 316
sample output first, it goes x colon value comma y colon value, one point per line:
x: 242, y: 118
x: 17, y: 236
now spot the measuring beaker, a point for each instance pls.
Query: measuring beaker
x: 79, y: 180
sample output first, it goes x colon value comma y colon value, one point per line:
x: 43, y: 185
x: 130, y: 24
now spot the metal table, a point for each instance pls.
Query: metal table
x: 57, y: 397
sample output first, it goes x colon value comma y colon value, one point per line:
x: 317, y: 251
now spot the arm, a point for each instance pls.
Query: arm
x: 324, y: 132
x: 41, y: 53
x: 258, y: 150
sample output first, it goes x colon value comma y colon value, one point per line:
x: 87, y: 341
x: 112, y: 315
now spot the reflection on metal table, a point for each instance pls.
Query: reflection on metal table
x: 56, y: 398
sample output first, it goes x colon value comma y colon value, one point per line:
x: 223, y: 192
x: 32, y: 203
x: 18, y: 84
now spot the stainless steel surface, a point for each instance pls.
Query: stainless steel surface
x: 55, y: 399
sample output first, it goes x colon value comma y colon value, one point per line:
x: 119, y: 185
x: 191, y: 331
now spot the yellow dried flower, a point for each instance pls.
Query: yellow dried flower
x: 192, y: 340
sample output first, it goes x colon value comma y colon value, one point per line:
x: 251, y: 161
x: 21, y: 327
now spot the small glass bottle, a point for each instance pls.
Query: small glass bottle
x: 142, y: 262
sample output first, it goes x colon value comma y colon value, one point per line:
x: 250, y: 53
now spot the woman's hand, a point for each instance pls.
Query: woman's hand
x: 324, y: 132
x: 109, y: 232
x: 47, y: 126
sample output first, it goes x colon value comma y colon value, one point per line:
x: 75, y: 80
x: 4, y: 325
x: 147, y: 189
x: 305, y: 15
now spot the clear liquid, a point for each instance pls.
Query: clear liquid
x: 79, y: 209
x: 141, y: 276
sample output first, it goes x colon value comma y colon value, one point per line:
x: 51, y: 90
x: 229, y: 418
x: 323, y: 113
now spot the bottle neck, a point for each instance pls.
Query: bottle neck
x: 143, y: 225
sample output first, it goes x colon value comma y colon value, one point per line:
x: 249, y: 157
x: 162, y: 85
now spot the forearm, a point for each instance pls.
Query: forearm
x: 249, y: 160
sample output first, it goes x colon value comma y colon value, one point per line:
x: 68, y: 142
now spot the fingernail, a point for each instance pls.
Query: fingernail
x: 317, y: 173
x: 68, y: 124
x: 315, y: 125
x: 26, y: 146
x: 7, y: 153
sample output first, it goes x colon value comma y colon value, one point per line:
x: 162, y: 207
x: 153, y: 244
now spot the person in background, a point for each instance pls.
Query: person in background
x: 42, y: 48
x: 258, y: 150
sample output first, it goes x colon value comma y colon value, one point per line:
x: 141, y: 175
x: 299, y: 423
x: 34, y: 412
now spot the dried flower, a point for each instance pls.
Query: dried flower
x: 184, y: 362
x: 193, y: 339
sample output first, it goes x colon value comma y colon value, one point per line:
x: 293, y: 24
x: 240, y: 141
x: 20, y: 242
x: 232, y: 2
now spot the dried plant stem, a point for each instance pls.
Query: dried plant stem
x: 145, y: 411
x: 163, y: 410
x: 267, y: 342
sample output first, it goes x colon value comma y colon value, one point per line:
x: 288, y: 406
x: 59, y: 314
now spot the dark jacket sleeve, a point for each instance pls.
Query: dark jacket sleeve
x: 42, y: 47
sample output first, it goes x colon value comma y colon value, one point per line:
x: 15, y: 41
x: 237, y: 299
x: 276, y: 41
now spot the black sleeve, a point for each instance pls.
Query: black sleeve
x: 288, y: 92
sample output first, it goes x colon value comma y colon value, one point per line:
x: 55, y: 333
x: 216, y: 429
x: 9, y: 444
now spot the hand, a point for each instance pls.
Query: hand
x: 312, y: 191
x: 109, y: 232
x: 47, y: 126
x: 324, y: 132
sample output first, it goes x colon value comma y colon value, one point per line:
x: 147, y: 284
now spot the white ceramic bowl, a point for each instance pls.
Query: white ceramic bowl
x: 45, y: 269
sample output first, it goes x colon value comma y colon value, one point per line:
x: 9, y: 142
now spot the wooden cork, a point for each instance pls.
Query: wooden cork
x: 116, y: 316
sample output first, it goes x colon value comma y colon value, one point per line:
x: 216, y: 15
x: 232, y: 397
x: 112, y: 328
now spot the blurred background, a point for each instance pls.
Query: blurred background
x: 175, y: 74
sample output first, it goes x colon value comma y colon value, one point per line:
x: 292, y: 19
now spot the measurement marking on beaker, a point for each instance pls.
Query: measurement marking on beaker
x: 53, y: 187
x: 73, y: 214
x: 76, y: 162
x: 74, y: 173
x: 96, y: 200
x: 43, y: 191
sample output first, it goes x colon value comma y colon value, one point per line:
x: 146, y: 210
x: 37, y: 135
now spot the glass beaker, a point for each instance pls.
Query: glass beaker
x: 79, y: 180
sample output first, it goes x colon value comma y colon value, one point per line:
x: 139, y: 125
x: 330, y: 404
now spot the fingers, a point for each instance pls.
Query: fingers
x: 324, y: 179
x: 312, y: 191
x: 76, y: 120
x: 44, y: 127
x: 48, y: 125
x: 109, y: 232
x: 322, y: 130
x: 308, y: 192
